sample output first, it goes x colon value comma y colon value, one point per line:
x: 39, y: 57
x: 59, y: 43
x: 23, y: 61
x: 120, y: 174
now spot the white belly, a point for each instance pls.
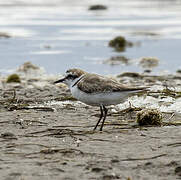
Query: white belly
x: 97, y: 99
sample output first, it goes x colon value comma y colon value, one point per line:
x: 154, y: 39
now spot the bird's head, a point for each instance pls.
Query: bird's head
x: 71, y: 76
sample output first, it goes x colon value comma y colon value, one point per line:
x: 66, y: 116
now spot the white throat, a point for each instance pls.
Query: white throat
x: 74, y: 82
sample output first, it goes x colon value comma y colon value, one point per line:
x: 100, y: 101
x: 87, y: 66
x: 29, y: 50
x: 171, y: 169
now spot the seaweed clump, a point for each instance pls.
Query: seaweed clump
x: 13, y: 78
x: 149, y: 117
x: 27, y: 66
x: 149, y: 62
x: 117, y: 60
x: 98, y: 7
x: 31, y: 71
x: 119, y: 43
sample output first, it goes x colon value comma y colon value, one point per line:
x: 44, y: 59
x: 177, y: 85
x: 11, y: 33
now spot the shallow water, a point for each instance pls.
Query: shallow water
x: 61, y: 34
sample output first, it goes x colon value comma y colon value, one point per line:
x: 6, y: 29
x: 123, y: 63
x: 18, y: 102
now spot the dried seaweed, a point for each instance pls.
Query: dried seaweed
x: 65, y: 98
x: 22, y: 107
x: 144, y: 158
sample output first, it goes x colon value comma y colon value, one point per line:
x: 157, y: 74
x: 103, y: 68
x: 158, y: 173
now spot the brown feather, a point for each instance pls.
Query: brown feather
x: 78, y: 72
x: 91, y: 83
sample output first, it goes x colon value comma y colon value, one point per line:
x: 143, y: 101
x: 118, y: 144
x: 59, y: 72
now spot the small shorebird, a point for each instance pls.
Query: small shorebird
x: 96, y: 90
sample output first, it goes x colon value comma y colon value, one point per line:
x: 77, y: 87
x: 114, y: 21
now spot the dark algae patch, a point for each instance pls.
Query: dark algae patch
x: 119, y: 43
x: 178, y: 171
x: 98, y: 7
x: 13, y: 78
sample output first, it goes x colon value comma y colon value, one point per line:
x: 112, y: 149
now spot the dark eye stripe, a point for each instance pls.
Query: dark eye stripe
x: 72, y: 76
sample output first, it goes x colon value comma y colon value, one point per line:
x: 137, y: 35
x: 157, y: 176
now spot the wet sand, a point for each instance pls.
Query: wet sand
x: 45, y: 137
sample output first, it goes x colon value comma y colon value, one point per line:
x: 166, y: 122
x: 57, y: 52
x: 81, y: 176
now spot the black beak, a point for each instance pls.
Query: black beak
x: 59, y: 81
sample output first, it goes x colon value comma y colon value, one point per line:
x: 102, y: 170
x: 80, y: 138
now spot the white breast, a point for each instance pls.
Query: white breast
x: 97, y: 99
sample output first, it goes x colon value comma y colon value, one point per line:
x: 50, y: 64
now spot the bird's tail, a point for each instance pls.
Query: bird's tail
x: 139, y: 90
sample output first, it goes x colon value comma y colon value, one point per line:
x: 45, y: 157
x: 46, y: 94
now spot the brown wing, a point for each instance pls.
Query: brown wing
x: 92, y: 83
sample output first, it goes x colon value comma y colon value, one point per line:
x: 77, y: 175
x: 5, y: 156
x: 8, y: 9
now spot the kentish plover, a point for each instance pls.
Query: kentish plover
x: 97, y: 90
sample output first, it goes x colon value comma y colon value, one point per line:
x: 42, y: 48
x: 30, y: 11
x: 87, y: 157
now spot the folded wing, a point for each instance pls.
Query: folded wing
x: 93, y: 83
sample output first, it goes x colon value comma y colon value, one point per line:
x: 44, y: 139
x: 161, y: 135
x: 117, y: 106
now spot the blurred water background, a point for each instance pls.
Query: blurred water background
x: 61, y: 34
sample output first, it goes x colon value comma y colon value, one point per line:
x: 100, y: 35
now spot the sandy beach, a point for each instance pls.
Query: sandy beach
x: 46, y: 134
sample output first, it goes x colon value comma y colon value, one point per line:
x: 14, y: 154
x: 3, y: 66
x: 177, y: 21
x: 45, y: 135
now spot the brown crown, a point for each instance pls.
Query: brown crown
x: 77, y: 72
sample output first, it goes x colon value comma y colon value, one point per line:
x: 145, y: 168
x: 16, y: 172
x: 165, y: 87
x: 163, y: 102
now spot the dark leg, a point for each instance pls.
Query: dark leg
x: 101, y: 109
x: 105, y: 114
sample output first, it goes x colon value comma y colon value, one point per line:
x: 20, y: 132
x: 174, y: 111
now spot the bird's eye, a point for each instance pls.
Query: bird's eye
x: 71, y: 76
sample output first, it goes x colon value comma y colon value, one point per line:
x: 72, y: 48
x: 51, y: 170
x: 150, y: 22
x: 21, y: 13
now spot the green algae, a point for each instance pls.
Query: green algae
x: 13, y: 78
